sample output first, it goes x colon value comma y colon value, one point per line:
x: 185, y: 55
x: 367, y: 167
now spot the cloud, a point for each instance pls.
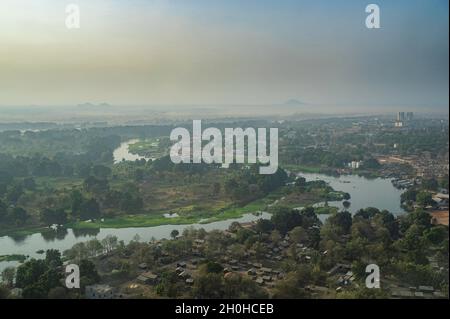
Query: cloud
x: 186, y: 52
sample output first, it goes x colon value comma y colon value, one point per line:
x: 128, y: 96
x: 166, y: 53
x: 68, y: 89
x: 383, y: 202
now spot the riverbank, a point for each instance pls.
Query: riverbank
x: 304, y: 168
x: 9, y: 258
x: 151, y: 220
x: 22, y: 231
x: 310, y: 169
x: 282, y: 196
x: 232, y: 212
x: 161, y: 219
x: 137, y: 221
x: 376, y: 193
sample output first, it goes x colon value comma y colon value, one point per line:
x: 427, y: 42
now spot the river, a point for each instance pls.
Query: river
x: 379, y: 193
x: 29, y: 245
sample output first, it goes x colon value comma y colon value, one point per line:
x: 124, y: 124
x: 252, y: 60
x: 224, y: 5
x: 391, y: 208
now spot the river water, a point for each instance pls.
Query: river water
x: 379, y: 193
x: 122, y: 153
x: 29, y: 245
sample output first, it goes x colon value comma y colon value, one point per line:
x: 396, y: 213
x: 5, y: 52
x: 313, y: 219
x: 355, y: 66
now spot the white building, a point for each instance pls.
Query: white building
x: 355, y: 164
x: 400, y: 116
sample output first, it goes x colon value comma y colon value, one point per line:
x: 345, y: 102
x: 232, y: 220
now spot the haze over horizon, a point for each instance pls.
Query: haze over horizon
x: 173, y: 52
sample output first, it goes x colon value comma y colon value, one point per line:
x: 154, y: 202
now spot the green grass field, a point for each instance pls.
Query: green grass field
x: 149, y: 220
x: 149, y: 147
x: 303, y: 168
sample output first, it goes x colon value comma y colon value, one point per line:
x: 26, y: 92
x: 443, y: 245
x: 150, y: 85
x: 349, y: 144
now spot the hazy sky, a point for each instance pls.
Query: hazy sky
x: 228, y: 51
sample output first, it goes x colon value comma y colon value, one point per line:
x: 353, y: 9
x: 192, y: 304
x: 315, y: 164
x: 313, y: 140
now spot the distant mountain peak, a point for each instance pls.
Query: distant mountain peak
x: 293, y: 102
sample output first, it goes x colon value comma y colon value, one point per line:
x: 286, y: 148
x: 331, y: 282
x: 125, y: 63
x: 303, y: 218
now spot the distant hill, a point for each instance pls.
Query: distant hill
x: 294, y: 102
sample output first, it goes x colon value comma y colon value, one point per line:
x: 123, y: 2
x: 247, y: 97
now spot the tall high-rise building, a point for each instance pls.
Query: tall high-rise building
x: 400, y: 116
x: 409, y: 116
